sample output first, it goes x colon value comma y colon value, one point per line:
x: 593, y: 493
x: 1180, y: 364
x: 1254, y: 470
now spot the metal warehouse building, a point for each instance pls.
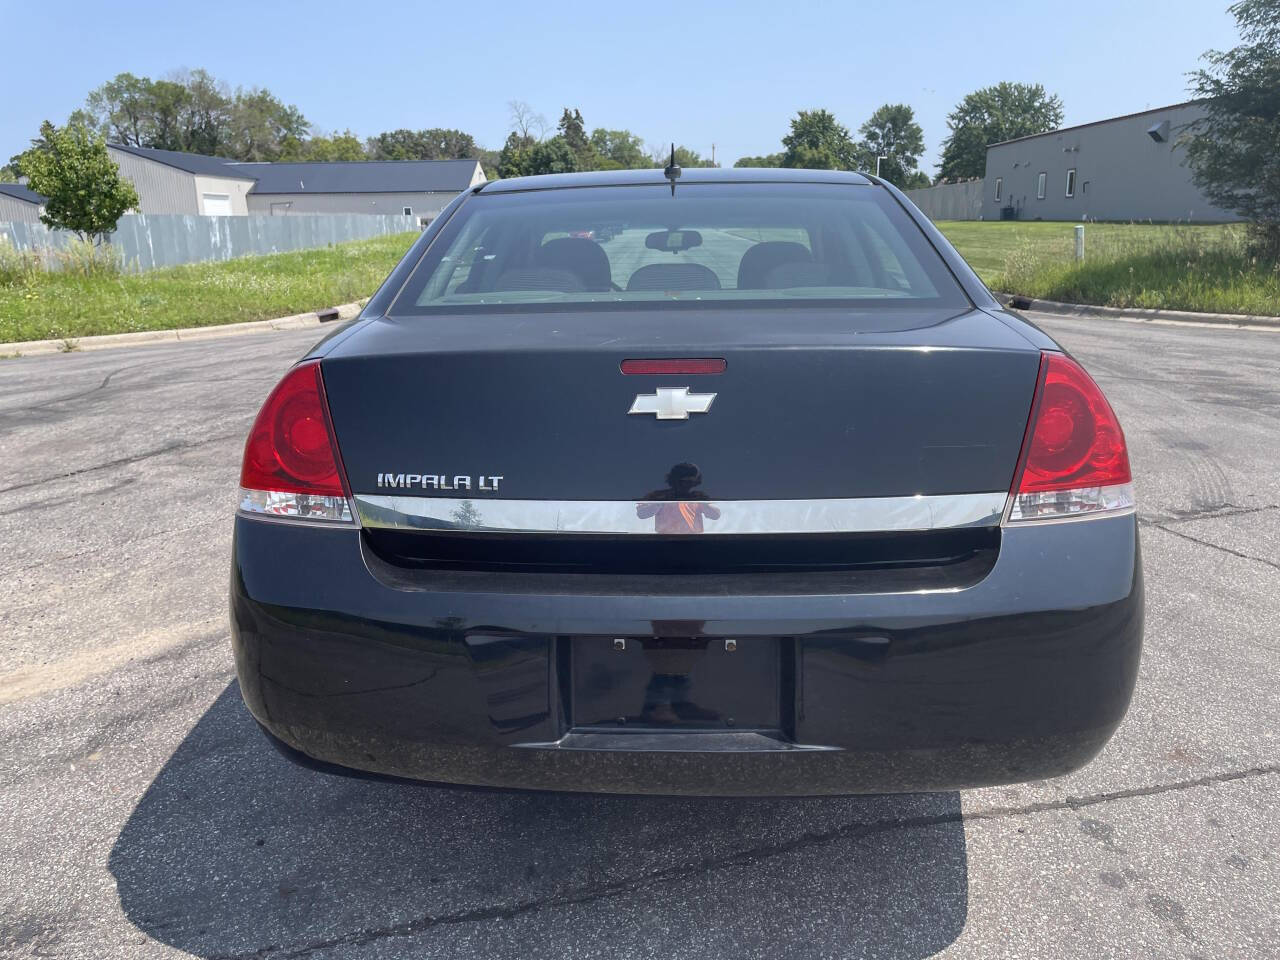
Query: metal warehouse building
x: 1127, y: 168
x: 171, y: 182
x: 419, y: 188
x: 17, y: 203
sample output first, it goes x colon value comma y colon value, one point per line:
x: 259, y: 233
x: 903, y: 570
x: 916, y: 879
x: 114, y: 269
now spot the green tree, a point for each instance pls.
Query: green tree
x: 205, y: 120
x: 991, y: 115
x: 618, y: 150
x: 263, y: 126
x: 687, y: 158
x: 1234, y: 149
x: 817, y: 141
x: 552, y: 156
x: 574, y: 134
x: 123, y: 108
x: 321, y: 147
x: 892, y: 133
x: 82, y: 185
x: 514, y: 160
x: 435, y: 143
x: 169, y: 101
x: 768, y: 160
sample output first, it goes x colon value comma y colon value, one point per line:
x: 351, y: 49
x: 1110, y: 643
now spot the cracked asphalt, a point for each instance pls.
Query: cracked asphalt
x: 142, y: 815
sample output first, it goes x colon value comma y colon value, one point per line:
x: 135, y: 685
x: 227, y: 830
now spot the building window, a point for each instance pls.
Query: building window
x: 999, y: 185
x: 1040, y: 185
x: 1071, y: 183
x: 408, y: 211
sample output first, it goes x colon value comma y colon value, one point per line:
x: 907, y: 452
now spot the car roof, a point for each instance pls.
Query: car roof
x: 614, y: 178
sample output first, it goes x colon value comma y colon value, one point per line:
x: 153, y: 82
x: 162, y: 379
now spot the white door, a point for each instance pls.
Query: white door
x: 215, y: 204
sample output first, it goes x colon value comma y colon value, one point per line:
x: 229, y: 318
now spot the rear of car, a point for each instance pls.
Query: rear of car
x: 746, y: 486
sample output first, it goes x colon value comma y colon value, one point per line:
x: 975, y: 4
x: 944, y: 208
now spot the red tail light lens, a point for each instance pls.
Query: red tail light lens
x: 291, y: 465
x: 1074, y: 458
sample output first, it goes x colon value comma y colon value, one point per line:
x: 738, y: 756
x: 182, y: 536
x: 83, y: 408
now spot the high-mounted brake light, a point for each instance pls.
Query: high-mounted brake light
x: 681, y: 367
x: 291, y: 465
x: 1074, y: 459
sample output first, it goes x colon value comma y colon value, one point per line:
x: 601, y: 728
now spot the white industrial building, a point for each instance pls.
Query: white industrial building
x: 171, y: 182
x: 18, y: 204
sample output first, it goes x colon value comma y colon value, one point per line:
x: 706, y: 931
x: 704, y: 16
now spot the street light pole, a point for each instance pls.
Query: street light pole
x: 878, y: 159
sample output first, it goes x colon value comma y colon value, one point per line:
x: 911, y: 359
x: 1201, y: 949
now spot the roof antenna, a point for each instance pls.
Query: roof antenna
x: 672, y: 171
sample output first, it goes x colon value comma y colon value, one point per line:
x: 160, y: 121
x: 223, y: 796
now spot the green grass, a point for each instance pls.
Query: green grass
x: 1169, y: 267
x: 38, y: 305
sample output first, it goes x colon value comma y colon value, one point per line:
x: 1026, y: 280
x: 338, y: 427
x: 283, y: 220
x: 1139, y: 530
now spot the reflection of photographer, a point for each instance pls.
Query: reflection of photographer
x: 683, y: 510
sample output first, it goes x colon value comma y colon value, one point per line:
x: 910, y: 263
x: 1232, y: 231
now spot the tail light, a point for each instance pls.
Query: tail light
x: 1074, y: 459
x: 291, y: 464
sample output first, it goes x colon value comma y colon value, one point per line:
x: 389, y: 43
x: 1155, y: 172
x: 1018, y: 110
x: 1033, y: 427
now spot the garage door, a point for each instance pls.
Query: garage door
x: 215, y: 204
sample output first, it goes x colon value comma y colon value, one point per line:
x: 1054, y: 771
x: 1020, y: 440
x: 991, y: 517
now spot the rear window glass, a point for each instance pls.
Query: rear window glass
x: 711, y: 244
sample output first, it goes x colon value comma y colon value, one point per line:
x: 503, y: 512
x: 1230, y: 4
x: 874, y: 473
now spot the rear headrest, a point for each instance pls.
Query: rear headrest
x: 539, y: 278
x: 579, y: 256
x: 786, y: 275
x: 753, y: 271
x: 674, y: 276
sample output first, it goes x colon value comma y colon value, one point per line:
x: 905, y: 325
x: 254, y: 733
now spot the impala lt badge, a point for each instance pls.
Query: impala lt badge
x: 672, y: 403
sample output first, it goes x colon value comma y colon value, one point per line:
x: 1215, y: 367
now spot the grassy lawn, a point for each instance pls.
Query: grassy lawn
x: 1171, y: 267
x: 49, y: 305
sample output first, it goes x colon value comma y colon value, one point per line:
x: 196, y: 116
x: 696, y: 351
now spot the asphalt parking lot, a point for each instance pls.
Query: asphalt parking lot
x: 142, y: 814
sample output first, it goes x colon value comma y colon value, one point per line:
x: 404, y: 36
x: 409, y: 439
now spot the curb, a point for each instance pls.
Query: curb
x: 1138, y: 313
x: 106, y: 341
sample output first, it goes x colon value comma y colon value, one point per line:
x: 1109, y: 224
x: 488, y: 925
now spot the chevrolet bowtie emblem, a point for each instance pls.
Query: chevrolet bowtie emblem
x: 672, y: 403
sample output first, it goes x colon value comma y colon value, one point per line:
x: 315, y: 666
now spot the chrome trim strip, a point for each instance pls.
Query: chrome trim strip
x: 856, y: 515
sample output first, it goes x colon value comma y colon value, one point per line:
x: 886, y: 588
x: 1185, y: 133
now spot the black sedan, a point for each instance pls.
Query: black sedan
x: 765, y: 495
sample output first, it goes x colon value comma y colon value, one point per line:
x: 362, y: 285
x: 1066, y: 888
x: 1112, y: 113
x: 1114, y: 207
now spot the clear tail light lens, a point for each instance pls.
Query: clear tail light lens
x: 291, y: 464
x: 1074, y: 460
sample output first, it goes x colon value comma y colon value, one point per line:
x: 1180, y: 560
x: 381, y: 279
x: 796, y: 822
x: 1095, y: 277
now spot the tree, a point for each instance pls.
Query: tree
x: 574, y: 134
x: 515, y: 159
x: 768, y: 160
x: 892, y: 133
x: 618, y: 150
x: 991, y: 115
x: 81, y: 183
x: 319, y: 147
x: 1234, y: 149
x: 435, y: 143
x: 262, y: 125
x: 168, y: 102
x: 525, y: 121
x: 123, y: 107
x: 686, y: 158
x: 818, y: 142
x: 206, y: 115
x: 552, y: 156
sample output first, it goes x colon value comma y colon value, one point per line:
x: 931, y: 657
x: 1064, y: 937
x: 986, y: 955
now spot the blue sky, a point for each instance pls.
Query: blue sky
x: 697, y: 73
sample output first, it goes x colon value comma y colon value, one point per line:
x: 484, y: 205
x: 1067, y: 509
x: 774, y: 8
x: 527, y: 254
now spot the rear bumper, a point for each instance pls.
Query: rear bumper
x: 460, y: 678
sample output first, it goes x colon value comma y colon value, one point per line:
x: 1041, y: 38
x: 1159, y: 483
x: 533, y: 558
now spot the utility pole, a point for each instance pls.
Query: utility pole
x: 713, y: 154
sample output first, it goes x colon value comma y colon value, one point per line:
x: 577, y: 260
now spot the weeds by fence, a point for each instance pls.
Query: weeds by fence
x: 1172, y: 268
x: 1212, y: 268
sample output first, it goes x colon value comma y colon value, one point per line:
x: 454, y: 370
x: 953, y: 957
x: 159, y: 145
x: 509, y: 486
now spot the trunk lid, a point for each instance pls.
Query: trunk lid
x: 810, y: 405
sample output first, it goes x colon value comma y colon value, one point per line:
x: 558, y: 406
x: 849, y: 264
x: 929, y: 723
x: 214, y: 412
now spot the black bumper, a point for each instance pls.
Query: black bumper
x: 462, y: 678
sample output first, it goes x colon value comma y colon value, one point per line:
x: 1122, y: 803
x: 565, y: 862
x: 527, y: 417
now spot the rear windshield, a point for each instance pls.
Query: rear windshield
x: 710, y: 244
